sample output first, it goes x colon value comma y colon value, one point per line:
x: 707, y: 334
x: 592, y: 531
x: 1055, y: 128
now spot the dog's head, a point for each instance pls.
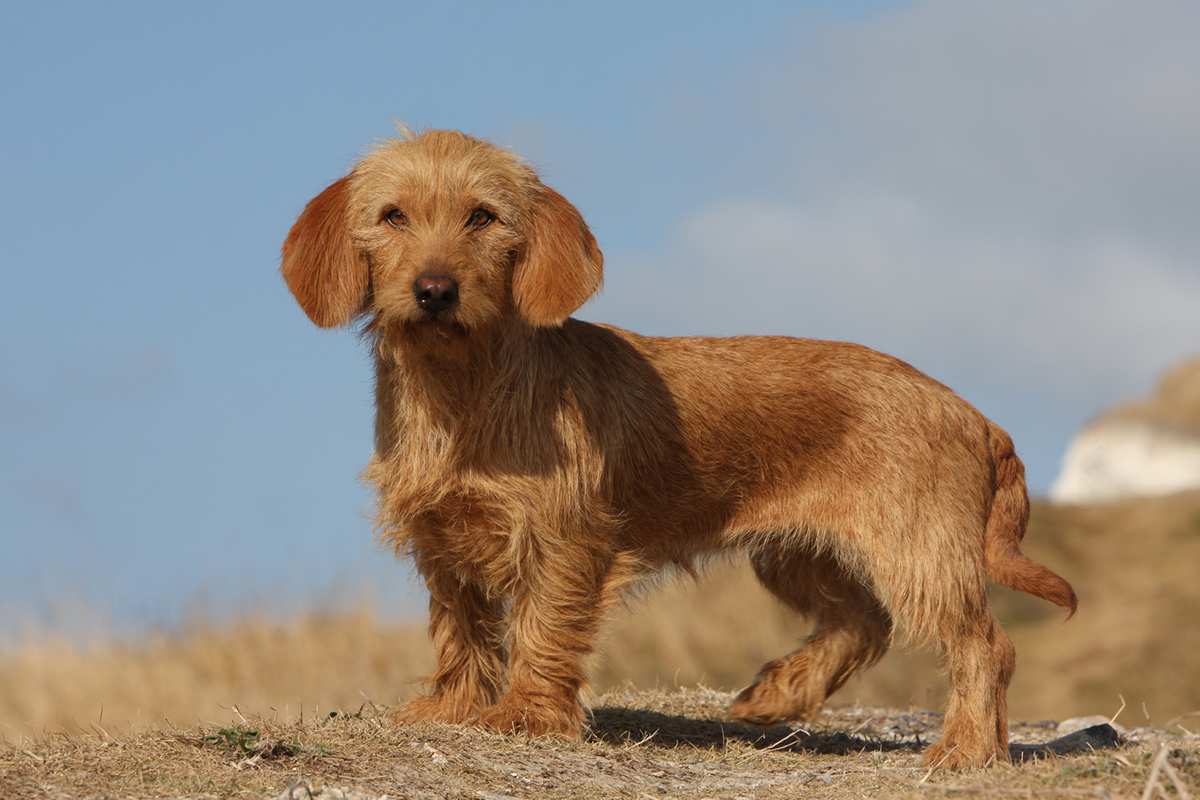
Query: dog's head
x: 443, y: 232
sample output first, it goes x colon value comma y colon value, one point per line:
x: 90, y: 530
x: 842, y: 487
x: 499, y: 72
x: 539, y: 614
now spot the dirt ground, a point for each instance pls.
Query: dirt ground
x: 641, y: 744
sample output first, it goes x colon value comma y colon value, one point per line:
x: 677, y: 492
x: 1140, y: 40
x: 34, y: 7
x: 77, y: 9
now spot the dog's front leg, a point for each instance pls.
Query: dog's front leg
x: 466, y: 627
x: 555, y: 614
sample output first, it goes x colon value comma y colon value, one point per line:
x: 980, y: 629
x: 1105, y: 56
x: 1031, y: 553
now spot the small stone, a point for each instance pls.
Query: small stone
x: 1075, y: 724
x: 435, y: 756
x: 303, y: 790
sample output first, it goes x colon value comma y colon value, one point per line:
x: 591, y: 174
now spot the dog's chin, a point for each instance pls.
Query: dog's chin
x: 436, y: 327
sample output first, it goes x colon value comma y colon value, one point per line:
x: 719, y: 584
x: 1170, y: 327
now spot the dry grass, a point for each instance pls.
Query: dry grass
x: 1136, y: 635
x: 647, y: 744
x: 314, y: 662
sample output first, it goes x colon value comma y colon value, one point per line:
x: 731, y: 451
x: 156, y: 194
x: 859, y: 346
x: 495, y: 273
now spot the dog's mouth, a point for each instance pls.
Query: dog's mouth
x: 441, y: 323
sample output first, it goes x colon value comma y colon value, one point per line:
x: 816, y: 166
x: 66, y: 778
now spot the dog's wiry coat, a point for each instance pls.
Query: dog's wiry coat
x: 535, y: 465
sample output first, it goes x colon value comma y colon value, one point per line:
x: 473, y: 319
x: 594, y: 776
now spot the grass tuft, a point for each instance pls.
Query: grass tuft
x: 245, y: 743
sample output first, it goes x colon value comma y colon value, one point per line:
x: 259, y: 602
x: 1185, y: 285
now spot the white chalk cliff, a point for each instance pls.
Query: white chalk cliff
x: 1146, y: 448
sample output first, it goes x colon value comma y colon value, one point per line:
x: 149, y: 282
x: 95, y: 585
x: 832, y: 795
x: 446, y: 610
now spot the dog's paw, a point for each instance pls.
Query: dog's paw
x: 513, y: 717
x: 433, y: 708
x: 951, y: 755
x: 763, y: 703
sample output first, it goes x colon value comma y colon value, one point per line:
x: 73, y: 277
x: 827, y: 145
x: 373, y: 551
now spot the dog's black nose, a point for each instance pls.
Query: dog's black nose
x: 435, y: 293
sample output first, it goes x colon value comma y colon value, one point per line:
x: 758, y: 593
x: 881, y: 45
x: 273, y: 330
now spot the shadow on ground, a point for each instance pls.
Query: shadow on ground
x: 623, y: 725
x: 620, y: 726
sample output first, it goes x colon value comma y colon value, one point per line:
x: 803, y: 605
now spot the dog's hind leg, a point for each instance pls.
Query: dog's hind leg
x: 936, y: 590
x: 852, y: 632
x: 980, y: 659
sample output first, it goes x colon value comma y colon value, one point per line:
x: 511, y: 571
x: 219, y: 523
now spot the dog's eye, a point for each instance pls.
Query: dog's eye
x: 480, y: 218
x: 396, y: 218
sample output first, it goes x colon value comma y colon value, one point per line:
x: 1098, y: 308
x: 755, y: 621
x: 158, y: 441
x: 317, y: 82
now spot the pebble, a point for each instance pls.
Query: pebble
x: 304, y: 790
x: 1074, y: 724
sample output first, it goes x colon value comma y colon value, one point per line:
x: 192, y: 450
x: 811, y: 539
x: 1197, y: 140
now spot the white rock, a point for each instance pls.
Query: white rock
x: 1144, y: 448
x: 1116, y: 459
x: 1074, y: 724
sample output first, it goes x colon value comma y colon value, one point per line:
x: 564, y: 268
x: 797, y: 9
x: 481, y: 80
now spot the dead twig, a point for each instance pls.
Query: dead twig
x: 1155, y: 767
x: 1119, y: 710
x: 1176, y: 781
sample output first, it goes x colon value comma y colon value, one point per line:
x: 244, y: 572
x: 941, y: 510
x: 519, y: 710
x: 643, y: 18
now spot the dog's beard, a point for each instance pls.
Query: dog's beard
x: 457, y: 336
x: 441, y: 325
x: 413, y: 323
x: 433, y: 331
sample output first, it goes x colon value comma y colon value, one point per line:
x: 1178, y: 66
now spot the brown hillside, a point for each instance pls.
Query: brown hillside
x: 1174, y: 403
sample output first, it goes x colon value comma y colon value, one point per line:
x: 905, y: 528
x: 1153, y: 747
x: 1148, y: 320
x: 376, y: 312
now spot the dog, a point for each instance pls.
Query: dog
x: 534, y: 466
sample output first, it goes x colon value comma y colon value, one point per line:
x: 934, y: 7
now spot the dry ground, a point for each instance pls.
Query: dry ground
x: 648, y: 744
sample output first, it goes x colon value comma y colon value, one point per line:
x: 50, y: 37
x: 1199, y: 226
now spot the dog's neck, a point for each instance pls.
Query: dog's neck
x: 455, y: 387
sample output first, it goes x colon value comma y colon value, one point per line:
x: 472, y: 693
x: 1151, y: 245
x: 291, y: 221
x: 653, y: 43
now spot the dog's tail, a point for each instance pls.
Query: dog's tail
x: 1006, y: 523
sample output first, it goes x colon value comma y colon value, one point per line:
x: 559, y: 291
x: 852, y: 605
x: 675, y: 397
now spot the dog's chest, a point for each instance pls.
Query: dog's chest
x: 474, y: 534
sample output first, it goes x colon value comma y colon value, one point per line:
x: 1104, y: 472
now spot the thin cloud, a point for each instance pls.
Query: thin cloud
x: 1006, y: 191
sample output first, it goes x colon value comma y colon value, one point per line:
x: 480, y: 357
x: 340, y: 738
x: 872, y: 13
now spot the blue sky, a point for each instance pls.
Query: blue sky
x: 1001, y: 195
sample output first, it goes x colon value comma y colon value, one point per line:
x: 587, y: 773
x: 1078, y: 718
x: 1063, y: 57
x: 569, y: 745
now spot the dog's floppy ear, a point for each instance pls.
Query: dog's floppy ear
x: 328, y: 277
x: 561, y: 266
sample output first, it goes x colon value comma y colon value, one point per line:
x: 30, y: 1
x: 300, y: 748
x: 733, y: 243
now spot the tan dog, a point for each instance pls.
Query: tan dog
x: 534, y: 465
